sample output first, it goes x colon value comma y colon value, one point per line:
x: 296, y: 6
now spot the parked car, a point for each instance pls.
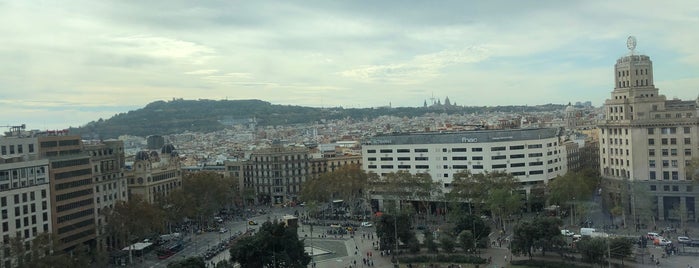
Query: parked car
x: 683, y: 239
x: 652, y: 235
x: 251, y: 222
x: 693, y: 243
x: 566, y: 232
x: 660, y: 241
x: 366, y: 224
x: 223, y: 230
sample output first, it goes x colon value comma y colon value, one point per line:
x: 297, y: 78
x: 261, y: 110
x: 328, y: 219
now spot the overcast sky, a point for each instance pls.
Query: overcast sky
x: 65, y: 63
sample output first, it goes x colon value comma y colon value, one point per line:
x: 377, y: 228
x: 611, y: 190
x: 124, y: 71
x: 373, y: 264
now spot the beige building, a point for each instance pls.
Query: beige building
x: 72, y: 195
x: 154, y: 174
x: 646, y: 141
x: 277, y: 173
x: 109, y: 183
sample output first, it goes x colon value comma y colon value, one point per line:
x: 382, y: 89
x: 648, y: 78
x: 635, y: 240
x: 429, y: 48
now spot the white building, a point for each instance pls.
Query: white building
x: 25, y: 203
x: 534, y: 156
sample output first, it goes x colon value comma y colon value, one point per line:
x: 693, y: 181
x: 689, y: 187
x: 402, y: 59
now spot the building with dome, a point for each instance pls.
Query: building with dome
x: 647, y: 144
x: 154, y: 173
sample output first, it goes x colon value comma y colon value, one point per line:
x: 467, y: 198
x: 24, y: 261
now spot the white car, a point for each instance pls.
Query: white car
x: 683, y: 239
x: 366, y: 224
x: 565, y: 232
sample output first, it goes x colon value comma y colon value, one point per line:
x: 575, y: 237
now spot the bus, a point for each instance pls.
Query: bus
x: 169, y: 249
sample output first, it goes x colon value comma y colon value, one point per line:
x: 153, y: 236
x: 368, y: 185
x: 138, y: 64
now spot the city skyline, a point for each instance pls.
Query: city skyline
x: 75, y: 63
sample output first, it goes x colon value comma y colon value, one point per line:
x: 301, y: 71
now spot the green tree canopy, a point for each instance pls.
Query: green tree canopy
x: 541, y: 232
x: 274, y: 245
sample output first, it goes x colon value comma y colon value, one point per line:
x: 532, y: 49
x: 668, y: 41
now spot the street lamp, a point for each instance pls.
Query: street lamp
x: 572, y: 218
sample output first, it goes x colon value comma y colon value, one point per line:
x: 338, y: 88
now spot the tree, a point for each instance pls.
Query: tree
x: 274, y: 245
x: 474, y: 224
x: 386, y: 228
x: 348, y: 183
x: 593, y: 249
x: 429, y: 242
x: 134, y: 219
x: 572, y: 186
x: 192, y: 262
x: 447, y: 243
x: 495, y: 191
x: 541, y: 232
x: 621, y: 247
x: 467, y: 241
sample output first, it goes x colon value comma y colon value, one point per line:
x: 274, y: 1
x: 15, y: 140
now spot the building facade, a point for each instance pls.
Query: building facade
x: 533, y: 156
x: 72, y: 195
x: 277, y: 173
x: 646, y: 142
x: 109, y: 183
x: 153, y: 175
x: 25, y: 204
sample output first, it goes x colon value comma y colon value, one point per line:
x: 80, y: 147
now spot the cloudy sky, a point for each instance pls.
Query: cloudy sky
x: 65, y: 63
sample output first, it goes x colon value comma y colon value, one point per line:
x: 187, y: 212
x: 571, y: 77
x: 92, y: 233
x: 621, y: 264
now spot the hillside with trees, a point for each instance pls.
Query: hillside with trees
x: 178, y: 115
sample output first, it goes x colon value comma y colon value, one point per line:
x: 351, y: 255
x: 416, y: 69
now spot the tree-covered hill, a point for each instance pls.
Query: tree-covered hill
x: 177, y: 116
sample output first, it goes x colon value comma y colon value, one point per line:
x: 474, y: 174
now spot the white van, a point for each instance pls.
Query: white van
x: 587, y: 231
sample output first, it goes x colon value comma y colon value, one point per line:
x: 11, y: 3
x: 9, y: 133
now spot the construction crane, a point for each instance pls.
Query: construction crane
x: 16, y: 129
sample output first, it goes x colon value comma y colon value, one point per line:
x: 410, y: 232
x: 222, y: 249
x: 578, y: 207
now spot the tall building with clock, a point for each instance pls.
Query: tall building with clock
x: 647, y: 143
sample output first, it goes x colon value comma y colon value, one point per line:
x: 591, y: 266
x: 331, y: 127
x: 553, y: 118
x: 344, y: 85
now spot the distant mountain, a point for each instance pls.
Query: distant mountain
x: 177, y: 116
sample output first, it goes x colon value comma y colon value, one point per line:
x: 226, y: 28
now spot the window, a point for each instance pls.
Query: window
x: 651, y: 175
x: 515, y: 156
x: 664, y: 141
x: 673, y: 141
x: 675, y: 188
x: 675, y: 176
x: 422, y: 166
x: 673, y: 163
x: 386, y: 158
x: 477, y: 149
x: 387, y: 166
x: 420, y: 150
x: 673, y: 152
x: 652, y: 188
x: 403, y: 150
x: 459, y: 158
x: 536, y: 172
x: 651, y: 141
x: 477, y: 158
x: 383, y: 151
x: 421, y: 158
x: 458, y: 150
x: 666, y: 163
x: 666, y: 175
x: 665, y: 152
x: 477, y: 166
x: 536, y: 155
x: 403, y: 158
x: 650, y: 130
x: 371, y: 151
x: 536, y: 164
x: 517, y: 147
x: 498, y: 157
x: 687, y: 141
x: 688, y: 152
x: 651, y: 163
x: 666, y: 188
x: 687, y: 130
x: 499, y: 166
x: 499, y: 148
x: 651, y: 152
x: 370, y: 159
x: 517, y: 165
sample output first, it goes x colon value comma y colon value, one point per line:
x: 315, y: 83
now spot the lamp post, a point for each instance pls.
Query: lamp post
x: 572, y: 218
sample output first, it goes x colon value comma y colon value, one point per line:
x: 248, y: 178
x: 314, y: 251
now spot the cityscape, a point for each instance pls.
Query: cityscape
x: 334, y: 135
x: 640, y: 148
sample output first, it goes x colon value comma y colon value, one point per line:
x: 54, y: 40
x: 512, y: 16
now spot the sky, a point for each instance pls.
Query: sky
x: 66, y: 63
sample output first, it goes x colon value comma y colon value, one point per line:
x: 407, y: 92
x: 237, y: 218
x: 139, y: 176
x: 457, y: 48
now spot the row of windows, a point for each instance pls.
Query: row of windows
x: 73, y: 184
x: 24, y: 196
x: 675, y: 188
x: 477, y: 149
x: 74, y: 226
x: 70, y: 163
x: 74, y: 173
x: 495, y: 166
x: 77, y: 236
x: 670, y: 141
x: 20, y: 149
x: 72, y: 195
x: 669, y: 152
x: 666, y: 175
x: 73, y: 205
x: 76, y: 215
x: 457, y: 158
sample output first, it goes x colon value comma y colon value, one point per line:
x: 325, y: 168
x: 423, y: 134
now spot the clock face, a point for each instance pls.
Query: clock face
x: 631, y: 43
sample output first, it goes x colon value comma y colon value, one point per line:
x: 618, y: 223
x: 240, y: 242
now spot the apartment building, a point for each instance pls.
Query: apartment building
x: 154, y: 174
x: 109, y: 183
x: 72, y: 195
x: 276, y: 174
x: 533, y: 156
x: 646, y: 143
x: 25, y: 204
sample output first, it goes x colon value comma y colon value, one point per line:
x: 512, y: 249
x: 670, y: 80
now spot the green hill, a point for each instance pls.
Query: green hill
x: 177, y: 116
